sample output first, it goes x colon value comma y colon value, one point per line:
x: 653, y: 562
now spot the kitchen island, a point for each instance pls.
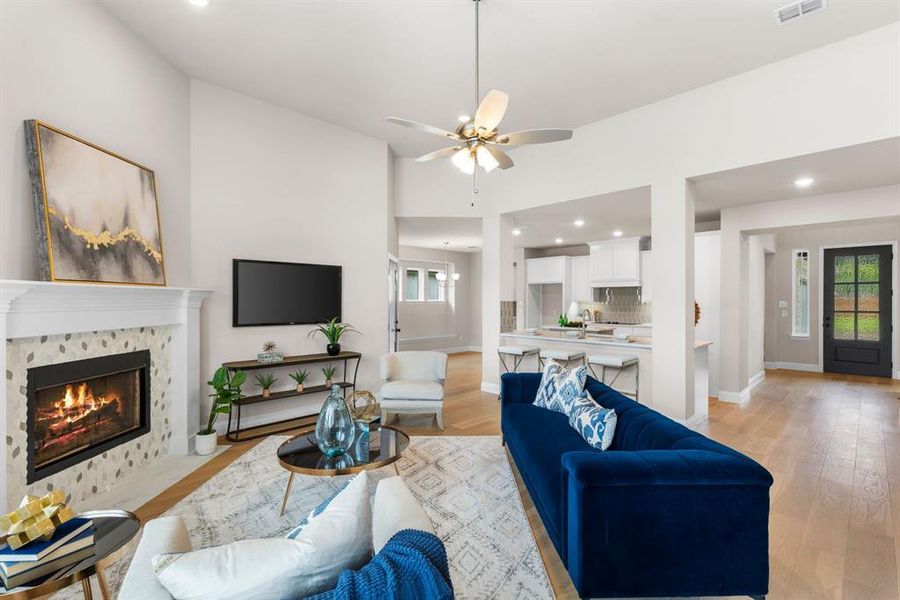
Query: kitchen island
x: 596, y: 343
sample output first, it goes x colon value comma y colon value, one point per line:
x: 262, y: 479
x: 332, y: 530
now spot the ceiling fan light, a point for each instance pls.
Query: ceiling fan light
x: 441, y: 276
x: 486, y: 159
x: 464, y: 161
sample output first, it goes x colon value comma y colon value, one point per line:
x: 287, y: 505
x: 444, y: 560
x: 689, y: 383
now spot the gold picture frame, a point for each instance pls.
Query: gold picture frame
x: 96, y: 212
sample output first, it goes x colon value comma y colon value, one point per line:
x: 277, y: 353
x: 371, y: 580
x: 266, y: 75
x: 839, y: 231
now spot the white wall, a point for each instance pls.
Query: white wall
x: 706, y: 293
x: 744, y: 120
x: 438, y: 325
x: 759, y: 247
x: 475, y: 301
x: 75, y: 66
x: 265, y: 186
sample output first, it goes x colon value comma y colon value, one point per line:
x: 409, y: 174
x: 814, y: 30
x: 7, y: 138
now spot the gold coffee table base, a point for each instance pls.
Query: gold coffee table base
x: 300, y: 454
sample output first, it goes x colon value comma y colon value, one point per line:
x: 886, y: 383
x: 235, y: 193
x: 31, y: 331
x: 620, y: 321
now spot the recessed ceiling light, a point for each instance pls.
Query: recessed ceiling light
x: 559, y: 240
x: 199, y: 2
x: 804, y: 182
x: 579, y: 222
x: 617, y: 233
x: 464, y: 118
x: 517, y: 231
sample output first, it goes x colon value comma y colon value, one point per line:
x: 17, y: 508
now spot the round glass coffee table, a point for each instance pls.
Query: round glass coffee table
x: 112, y: 530
x: 378, y: 447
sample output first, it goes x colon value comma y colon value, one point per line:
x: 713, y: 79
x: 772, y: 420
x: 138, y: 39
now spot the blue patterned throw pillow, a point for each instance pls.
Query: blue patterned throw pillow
x: 560, y: 387
x: 596, y: 424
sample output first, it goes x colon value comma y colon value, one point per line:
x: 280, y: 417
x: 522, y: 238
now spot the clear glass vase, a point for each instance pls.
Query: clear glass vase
x: 334, y: 426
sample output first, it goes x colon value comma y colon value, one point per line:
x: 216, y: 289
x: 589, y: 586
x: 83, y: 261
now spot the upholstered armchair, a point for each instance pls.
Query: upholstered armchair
x: 414, y: 383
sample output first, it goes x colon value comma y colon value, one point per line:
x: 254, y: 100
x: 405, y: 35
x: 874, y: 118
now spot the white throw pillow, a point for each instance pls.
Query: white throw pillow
x: 559, y: 387
x: 337, y: 538
x: 396, y: 509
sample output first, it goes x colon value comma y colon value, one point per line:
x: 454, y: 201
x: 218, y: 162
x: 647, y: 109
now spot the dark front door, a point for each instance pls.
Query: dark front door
x: 857, y: 320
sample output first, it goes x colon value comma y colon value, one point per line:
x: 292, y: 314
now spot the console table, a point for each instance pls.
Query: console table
x: 289, y: 361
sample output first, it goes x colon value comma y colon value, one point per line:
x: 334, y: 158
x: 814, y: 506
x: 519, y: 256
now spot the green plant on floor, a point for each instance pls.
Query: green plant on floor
x: 329, y: 373
x: 332, y: 330
x: 300, y: 376
x: 225, y: 391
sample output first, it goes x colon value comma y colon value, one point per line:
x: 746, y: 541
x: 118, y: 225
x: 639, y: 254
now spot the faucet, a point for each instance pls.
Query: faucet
x: 585, y: 317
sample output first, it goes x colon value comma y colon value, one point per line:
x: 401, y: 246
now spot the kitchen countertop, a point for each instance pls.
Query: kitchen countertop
x: 637, y: 342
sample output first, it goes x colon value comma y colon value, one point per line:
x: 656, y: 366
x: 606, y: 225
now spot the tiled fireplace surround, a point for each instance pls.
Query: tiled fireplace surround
x: 45, y: 323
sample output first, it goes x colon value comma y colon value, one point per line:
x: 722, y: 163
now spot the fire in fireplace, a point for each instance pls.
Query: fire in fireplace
x: 76, y: 410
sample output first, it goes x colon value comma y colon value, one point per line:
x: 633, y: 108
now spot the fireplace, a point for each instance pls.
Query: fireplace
x: 79, y: 409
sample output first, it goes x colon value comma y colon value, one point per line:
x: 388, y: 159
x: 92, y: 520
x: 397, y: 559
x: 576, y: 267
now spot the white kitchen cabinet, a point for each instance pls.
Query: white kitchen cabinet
x: 551, y: 269
x: 601, y: 260
x: 616, y: 263
x: 581, y: 278
x: 646, y: 276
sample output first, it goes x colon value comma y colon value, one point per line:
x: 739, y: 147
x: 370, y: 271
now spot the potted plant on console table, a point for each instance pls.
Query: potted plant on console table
x: 332, y: 332
x: 225, y: 392
x: 265, y: 382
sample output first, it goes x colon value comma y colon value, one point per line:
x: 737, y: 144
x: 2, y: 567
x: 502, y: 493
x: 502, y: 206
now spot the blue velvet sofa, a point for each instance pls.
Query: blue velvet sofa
x: 664, y: 511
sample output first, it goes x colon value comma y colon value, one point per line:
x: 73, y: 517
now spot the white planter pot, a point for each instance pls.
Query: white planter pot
x: 206, y: 443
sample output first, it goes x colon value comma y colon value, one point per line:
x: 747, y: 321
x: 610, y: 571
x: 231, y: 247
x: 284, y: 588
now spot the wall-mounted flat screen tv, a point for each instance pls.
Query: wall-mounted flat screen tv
x: 280, y: 293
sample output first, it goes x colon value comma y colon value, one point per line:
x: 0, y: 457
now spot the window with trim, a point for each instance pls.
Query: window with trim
x: 800, y: 293
x: 422, y: 285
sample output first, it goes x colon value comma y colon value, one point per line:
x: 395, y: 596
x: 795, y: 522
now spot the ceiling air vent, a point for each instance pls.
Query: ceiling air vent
x: 798, y: 9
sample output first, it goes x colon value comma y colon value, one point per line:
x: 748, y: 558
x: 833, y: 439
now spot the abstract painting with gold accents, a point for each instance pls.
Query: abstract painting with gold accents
x: 96, y: 212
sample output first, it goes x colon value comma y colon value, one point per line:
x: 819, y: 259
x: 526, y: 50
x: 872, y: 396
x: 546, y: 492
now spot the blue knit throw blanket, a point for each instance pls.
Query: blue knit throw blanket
x: 411, y: 566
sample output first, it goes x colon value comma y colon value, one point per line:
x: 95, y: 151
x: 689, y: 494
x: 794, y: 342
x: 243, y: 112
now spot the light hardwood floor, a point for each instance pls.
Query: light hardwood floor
x: 831, y: 442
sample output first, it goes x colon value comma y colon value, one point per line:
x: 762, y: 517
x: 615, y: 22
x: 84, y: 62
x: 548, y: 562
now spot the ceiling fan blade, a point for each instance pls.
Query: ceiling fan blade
x: 533, y: 136
x: 442, y: 153
x: 502, y: 158
x: 423, y: 127
x: 491, y: 110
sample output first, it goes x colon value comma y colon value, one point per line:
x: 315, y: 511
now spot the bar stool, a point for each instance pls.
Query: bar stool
x: 619, y: 363
x: 562, y: 356
x: 518, y: 353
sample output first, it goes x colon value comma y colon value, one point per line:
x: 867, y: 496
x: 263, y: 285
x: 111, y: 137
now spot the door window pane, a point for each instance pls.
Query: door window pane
x: 844, y: 269
x: 868, y: 267
x: 845, y: 297
x: 844, y: 326
x: 868, y: 325
x: 868, y: 297
x: 411, y: 285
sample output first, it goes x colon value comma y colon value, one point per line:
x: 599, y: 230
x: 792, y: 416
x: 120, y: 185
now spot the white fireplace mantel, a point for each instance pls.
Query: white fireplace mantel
x: 38, y: 308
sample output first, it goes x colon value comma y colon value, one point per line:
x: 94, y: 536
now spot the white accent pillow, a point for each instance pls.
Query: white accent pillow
x: 396, y: 509
x: 559, y: 387
x: 338, y: 538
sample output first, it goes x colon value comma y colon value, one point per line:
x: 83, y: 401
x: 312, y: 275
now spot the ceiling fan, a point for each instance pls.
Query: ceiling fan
x: 477, y: 141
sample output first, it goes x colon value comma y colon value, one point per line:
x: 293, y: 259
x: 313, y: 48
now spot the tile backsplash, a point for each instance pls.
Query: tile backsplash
x: 620, y: 304
x: 507, y: 315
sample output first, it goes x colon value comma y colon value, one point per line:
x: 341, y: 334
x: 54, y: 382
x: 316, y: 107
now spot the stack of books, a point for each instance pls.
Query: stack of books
x: 72, y: 542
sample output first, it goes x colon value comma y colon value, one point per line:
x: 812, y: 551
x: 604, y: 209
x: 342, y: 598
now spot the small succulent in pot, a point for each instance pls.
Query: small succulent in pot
x: 332, y: 332
x: 270, y: 353
x: 329, y: 375
x: 300, y: 377
x: 265, y: 381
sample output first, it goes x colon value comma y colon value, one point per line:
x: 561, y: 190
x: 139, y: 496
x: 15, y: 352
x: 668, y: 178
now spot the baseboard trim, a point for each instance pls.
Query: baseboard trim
x: 735, y: 397
x: 770, y: 365
x: 459, y: 349
x: 896, y: 374
x: 693, y: 421
x: 490, y: 388
x: 757, y: 379
x: 806, y: 367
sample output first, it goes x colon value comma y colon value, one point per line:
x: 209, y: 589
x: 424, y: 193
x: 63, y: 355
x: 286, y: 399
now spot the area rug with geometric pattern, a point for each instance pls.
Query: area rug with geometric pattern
x: 464, y: 483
